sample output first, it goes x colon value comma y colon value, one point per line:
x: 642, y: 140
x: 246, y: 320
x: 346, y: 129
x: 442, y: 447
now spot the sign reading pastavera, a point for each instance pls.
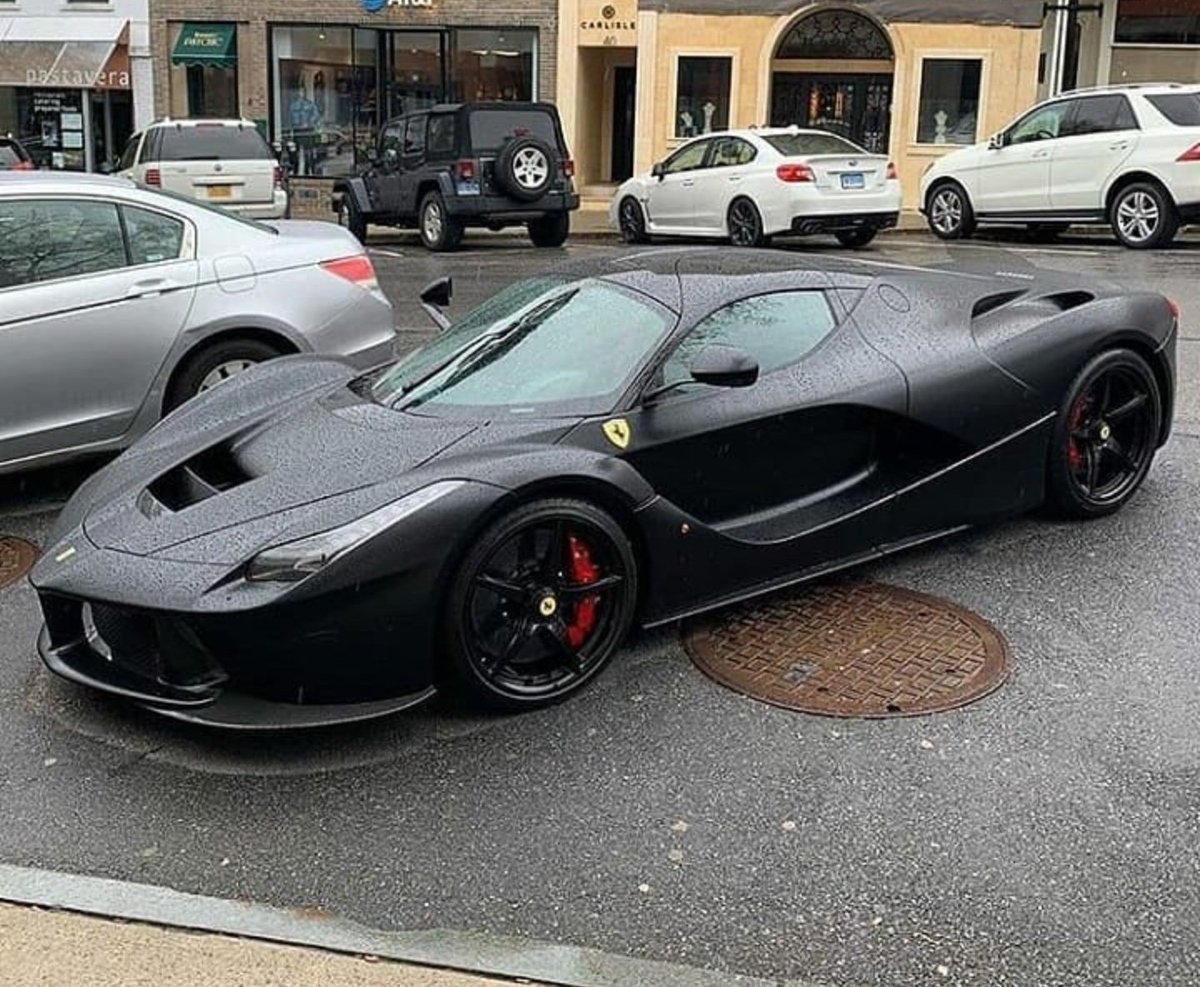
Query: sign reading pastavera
x: 607, y: 23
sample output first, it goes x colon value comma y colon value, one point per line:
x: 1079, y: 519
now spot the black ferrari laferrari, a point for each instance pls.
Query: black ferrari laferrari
x: 631, y: 441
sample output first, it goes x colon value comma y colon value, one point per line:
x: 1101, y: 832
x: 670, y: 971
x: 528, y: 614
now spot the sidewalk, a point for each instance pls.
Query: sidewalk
x: 41, y: 948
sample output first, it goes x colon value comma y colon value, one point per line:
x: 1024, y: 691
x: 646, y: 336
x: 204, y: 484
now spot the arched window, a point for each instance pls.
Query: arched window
x: 835, y: 34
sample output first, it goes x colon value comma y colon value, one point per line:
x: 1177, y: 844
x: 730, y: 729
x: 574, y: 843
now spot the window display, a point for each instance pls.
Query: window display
x: 949, y: 101
x: 48, y: 122
x: 702, y: 95
x: 494, y: 64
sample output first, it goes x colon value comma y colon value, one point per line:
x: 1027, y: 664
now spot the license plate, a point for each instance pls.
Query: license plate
x: 468, y: 188
x: 853, y: 180
x: 220, y: 191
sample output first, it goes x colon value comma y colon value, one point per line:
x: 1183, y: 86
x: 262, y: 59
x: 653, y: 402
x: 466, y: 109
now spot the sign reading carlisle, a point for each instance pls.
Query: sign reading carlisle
x: 606, y: 24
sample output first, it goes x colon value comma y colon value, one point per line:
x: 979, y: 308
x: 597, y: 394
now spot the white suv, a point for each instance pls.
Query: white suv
x: 1128, y: 156
x: 225, y: 163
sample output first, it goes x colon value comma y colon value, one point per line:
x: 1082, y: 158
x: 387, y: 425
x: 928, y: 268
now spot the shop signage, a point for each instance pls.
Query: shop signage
x: 608, y: 24
x: 78, y: 78
x: 375, y: 6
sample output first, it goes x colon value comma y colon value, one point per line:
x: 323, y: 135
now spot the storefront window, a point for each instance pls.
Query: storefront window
x: 326, y: 96
x: 949, y: 107
x: 415, y: 78
x: 494, y: 64
x: 702, y: 95
x: 1158, y: 23
x: 48, y: 122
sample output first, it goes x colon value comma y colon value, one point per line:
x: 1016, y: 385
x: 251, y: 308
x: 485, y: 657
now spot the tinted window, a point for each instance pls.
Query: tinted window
x: 777, y: 330
x: 1100, y: 114
x: 441, y: 135
x: 414, y: 136
x: 152, y: 237
x: 800, y: 145
x: 731, y: 151
x: 1182, y: 109
x: 211, y: 143
x: 490, y: 129
x: 1042, y: 124
x: 688, y: 158
x: 130, y: 153
x: 569, y: 349
x: 45, y: 239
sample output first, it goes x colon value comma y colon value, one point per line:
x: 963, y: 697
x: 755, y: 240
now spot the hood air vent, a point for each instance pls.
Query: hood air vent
x: 204, y: 475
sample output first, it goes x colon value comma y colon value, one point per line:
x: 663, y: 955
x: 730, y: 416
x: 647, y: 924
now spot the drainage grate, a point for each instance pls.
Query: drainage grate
x: 863, y: 650
x: 16, y: 558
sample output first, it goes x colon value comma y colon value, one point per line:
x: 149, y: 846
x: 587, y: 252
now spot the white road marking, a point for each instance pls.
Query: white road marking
x: 386, y: 253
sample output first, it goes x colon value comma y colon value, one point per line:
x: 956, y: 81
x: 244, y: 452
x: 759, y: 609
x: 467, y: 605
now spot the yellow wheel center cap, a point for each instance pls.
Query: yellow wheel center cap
x: 1105, y: 432
x: 547, y: 606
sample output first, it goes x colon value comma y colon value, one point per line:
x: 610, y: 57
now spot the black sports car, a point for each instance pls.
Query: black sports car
x: 635, y: 440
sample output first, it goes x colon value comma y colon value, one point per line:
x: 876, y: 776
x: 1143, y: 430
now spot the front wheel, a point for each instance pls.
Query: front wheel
x: 551, y: 230
x: 540, y: 604
x: 1143, y: 216
x: 439, y: 231
x: 1105, y: 436
x: 856, y: 238
x: 746, y: 225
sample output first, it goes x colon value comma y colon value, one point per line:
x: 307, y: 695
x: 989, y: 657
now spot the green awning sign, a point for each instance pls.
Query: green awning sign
x: 206, y: 44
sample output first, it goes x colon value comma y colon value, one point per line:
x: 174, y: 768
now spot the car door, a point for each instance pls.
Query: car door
x: 718, y: 182
x: 412, y: 163
x: 671, y: 200
x: 385, y: 181
x: 93, y: 295
x: 790, y: 459
x: 1098, y: 137
x: 1015, y: 176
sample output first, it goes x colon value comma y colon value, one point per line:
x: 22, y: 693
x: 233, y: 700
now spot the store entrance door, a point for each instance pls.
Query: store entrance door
x: 857, y: 107
x: 112, y: 125
x: 624, y: 110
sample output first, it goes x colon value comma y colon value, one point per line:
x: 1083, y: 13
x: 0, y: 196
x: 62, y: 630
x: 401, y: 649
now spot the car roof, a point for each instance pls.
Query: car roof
x: 509, y: 105
x: 58, y: 181
x: 205, y: 122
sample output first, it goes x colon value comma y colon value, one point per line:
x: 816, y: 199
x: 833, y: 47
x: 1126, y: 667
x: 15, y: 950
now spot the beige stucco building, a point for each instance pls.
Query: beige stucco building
x: 908, y: 78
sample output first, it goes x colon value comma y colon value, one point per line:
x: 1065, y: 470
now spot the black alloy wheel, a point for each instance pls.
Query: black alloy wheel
x: 745, y: 224
x: 349, y: 216
x: 856, y: 238
x: 632, y: 221
x: 1106, y: 435
x: 540, y: 605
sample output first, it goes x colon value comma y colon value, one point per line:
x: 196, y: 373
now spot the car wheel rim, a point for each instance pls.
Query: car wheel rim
x: 1138, y: 216
x: 743, y: 224
x: 545, y: 609
x: 947, y: 211
x: 222, y: 372
x: 631, y: 224
x: 432, y: 226
x: 530, y: 168
x: 1111, y: 435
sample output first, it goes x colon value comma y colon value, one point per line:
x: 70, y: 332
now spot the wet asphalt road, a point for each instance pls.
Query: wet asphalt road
x: 1046, y: 835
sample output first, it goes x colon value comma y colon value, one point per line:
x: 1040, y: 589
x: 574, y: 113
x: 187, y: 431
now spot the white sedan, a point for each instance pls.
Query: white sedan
x: 749, y: 185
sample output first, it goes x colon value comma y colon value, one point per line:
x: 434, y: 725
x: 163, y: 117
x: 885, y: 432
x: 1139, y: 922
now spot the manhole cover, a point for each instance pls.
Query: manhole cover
x: 16, y: 558
x: 860, y: 649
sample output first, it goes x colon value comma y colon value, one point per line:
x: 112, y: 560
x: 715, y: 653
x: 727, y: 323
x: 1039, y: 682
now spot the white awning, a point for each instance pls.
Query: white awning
x: 60, y: 52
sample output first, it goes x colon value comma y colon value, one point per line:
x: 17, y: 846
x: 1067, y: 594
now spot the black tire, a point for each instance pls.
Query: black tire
x: 551, y: 230
x: 525, y: 168
x: 352, y: 218
x: 745, y: 224
x: 439, y: 231
x: 1143, y: 216
x: 856, y: 238
x: 193, y: 375
x: 1105, y: 436
x: 949, y: 212
x: 632, y: 221
x: 516, y: 632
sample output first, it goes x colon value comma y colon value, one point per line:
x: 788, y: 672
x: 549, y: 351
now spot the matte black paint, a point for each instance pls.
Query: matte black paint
x: 928, y: 409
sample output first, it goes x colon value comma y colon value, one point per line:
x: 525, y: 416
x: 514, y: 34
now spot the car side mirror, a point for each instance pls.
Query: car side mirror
x: 724, y: 366
x: 996, y: 142
x: 658, y: 170
x: 435, y: 297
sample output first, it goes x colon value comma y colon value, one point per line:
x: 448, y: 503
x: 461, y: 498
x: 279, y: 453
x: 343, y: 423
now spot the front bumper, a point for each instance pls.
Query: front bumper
x: 806, y: 224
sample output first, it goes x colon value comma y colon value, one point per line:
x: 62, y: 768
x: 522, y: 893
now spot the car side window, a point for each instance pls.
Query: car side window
x: 44, y: 239
x: 1099, y: 115
x: 440, y: 143
x: 1041, y: 124
x: 152, y: 238
x: 151, y: 149
x: 778, y: 330
x: 731, y: 151
x: 391, y: 138
x: 129, y: 154
x: 687, y: 158
x: 414, y: 141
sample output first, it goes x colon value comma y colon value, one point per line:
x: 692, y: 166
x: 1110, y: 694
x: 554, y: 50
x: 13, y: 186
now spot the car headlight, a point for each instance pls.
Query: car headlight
x: 296, y: 560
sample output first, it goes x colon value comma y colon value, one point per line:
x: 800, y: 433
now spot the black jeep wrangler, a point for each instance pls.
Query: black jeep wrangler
x: 465, y: 164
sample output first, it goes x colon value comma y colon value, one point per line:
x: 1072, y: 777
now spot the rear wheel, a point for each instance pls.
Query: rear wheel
x: 1143, y: 216
x: 215, y: 364
x: 351, y: 218
x: 540, y: 605
x: 746, y: 225
x: 856, y: 238
x: 950, y: 214
x: 632, y: 221
x: 439, y: 231
x: 1105, y: 436
x: 551, y: 230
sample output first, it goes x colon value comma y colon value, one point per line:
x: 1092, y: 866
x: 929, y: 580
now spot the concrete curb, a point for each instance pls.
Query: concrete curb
x: 497, y: 956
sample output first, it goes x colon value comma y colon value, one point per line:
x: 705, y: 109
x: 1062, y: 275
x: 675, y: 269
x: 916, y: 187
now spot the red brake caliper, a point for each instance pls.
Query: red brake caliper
x: 582, y: 571
x: 1074, y: 452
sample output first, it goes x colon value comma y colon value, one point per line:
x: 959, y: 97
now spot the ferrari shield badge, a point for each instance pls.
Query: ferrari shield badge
x: 617, y: 432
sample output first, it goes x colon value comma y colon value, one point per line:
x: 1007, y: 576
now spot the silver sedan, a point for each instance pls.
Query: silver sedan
x: 118, y: 303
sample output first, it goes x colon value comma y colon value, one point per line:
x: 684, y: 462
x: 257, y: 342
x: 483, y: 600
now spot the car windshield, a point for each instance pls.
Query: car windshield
x: 801, y: 145
x: 490, y: 129
x: 543, y: 346
x: 213, y: 142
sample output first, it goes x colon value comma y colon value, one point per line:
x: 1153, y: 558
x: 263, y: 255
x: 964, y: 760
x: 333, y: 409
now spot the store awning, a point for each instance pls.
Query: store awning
x: 206, y: 44
x: 36, y: 53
